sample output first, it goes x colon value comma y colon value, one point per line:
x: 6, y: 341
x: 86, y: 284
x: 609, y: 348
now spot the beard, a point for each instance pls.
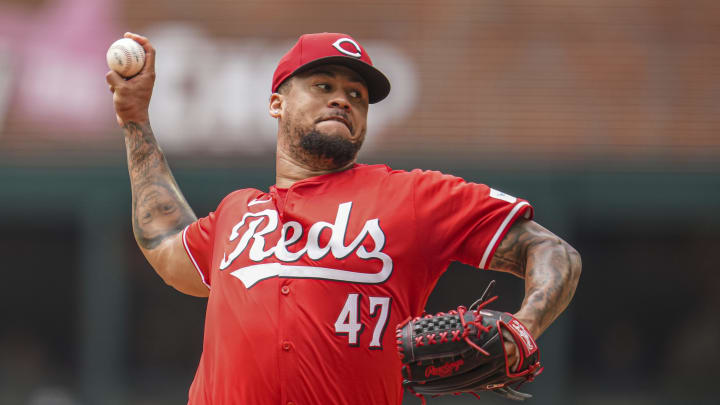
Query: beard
x: 331, y: 147
x: 321, y: 150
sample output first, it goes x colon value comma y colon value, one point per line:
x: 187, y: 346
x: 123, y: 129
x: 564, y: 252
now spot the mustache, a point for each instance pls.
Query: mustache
x: 340, y: 116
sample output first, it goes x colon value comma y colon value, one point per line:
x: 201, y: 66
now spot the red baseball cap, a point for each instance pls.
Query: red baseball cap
x: 331, y: 48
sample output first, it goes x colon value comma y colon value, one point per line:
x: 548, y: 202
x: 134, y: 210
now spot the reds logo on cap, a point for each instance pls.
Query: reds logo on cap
x: 313, y: 50
x: 337, y: 44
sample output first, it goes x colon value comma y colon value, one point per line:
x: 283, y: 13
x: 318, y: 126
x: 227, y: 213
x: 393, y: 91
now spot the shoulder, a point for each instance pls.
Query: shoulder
x: 384, y: 177
x: 421, y: 179
x: 382, y: 170
x: 242, y: 196
x: 361, y: 169
x: 433, y: 179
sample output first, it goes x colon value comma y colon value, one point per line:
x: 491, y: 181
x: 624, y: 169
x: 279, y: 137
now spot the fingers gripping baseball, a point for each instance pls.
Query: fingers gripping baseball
x: 131, y: 97
x: 149, y: 52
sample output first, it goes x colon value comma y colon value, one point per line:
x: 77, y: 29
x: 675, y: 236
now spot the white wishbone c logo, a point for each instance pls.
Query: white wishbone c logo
x: 340, y: 41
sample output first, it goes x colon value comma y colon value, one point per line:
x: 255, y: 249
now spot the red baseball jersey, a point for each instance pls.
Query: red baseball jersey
x: 307, y: 284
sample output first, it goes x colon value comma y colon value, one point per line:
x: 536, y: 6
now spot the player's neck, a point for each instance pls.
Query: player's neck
x: 289, y: 170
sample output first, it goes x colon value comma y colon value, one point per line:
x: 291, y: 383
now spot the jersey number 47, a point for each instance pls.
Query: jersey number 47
x: 348, y: 321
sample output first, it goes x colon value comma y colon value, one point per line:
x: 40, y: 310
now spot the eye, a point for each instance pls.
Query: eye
x: 146, y: 218
x: 355, y: 94
x: 323, y: 86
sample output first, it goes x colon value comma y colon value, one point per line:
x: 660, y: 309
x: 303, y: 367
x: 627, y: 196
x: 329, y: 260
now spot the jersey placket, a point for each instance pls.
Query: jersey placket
x: 288, y: 361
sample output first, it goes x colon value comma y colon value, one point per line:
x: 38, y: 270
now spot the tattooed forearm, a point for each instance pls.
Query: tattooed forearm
x: 159, y: 208
x: 143, y: 151
x: 551, y: 269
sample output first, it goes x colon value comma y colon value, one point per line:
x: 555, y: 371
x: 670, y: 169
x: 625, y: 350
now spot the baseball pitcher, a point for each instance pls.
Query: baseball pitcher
x: 316, y: 286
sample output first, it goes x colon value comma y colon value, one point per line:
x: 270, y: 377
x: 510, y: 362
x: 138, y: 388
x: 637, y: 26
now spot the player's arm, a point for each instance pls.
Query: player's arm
x: 551, y: 269
x: 159, y: 210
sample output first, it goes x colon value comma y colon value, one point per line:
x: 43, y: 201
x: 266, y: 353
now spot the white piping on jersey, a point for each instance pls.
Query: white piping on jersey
x: 499, y: 232
x: 187, y: 249
x: 250, y: 275
x: 256, y: 201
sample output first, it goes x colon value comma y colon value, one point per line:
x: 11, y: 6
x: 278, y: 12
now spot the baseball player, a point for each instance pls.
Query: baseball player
x: 307, y: 280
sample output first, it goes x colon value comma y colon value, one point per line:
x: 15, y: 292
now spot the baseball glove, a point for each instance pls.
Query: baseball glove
x: 463, y: 351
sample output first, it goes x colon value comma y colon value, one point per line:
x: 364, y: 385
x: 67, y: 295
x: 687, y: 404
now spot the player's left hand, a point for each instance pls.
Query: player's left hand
x: 467, y: 350
x: 511, y: 350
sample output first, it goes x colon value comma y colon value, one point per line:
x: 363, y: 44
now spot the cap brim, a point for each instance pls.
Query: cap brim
x: 378, y: 85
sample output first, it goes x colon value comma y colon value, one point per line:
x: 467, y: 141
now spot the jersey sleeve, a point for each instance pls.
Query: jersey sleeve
x: 465, y: 221
x: 198, y: 239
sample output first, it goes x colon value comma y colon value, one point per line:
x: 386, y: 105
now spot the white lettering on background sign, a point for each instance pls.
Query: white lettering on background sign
x: 257, y: 225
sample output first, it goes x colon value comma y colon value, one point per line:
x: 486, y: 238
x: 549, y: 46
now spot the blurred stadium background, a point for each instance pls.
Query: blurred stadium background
x: 604, y: 114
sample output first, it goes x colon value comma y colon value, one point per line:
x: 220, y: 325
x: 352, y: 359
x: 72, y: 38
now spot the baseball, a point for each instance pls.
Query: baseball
x: 126, y: 57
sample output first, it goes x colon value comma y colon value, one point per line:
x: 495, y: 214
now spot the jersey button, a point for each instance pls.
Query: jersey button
x: 286, y: 346
x: 285, y: 290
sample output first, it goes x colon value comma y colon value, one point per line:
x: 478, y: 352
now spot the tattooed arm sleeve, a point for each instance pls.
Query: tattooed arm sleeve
x: 159, y: 211
x: 551, y: 269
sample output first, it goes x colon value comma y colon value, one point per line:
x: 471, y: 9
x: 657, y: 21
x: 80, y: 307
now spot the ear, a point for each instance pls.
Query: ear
x: 276, y: 104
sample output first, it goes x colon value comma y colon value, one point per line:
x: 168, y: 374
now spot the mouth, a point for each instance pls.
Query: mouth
x: 340, y: 119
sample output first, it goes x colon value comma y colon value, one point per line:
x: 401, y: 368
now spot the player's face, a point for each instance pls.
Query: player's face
x: 157, y: 211
x: 325, y: 115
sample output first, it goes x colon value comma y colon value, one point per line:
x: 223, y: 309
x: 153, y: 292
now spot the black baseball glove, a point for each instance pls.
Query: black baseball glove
x: 463, y: 351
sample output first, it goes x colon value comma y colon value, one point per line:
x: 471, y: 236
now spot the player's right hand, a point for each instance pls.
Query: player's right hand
x: 131, y: 97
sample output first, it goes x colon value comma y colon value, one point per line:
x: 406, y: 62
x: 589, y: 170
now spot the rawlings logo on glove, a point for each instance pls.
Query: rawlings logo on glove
x: 444, y: 370
x: 462, y: 351
x: 527, y: 340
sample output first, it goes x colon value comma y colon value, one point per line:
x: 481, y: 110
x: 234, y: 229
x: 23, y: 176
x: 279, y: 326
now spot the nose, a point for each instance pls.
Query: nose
x: 339, y: 100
